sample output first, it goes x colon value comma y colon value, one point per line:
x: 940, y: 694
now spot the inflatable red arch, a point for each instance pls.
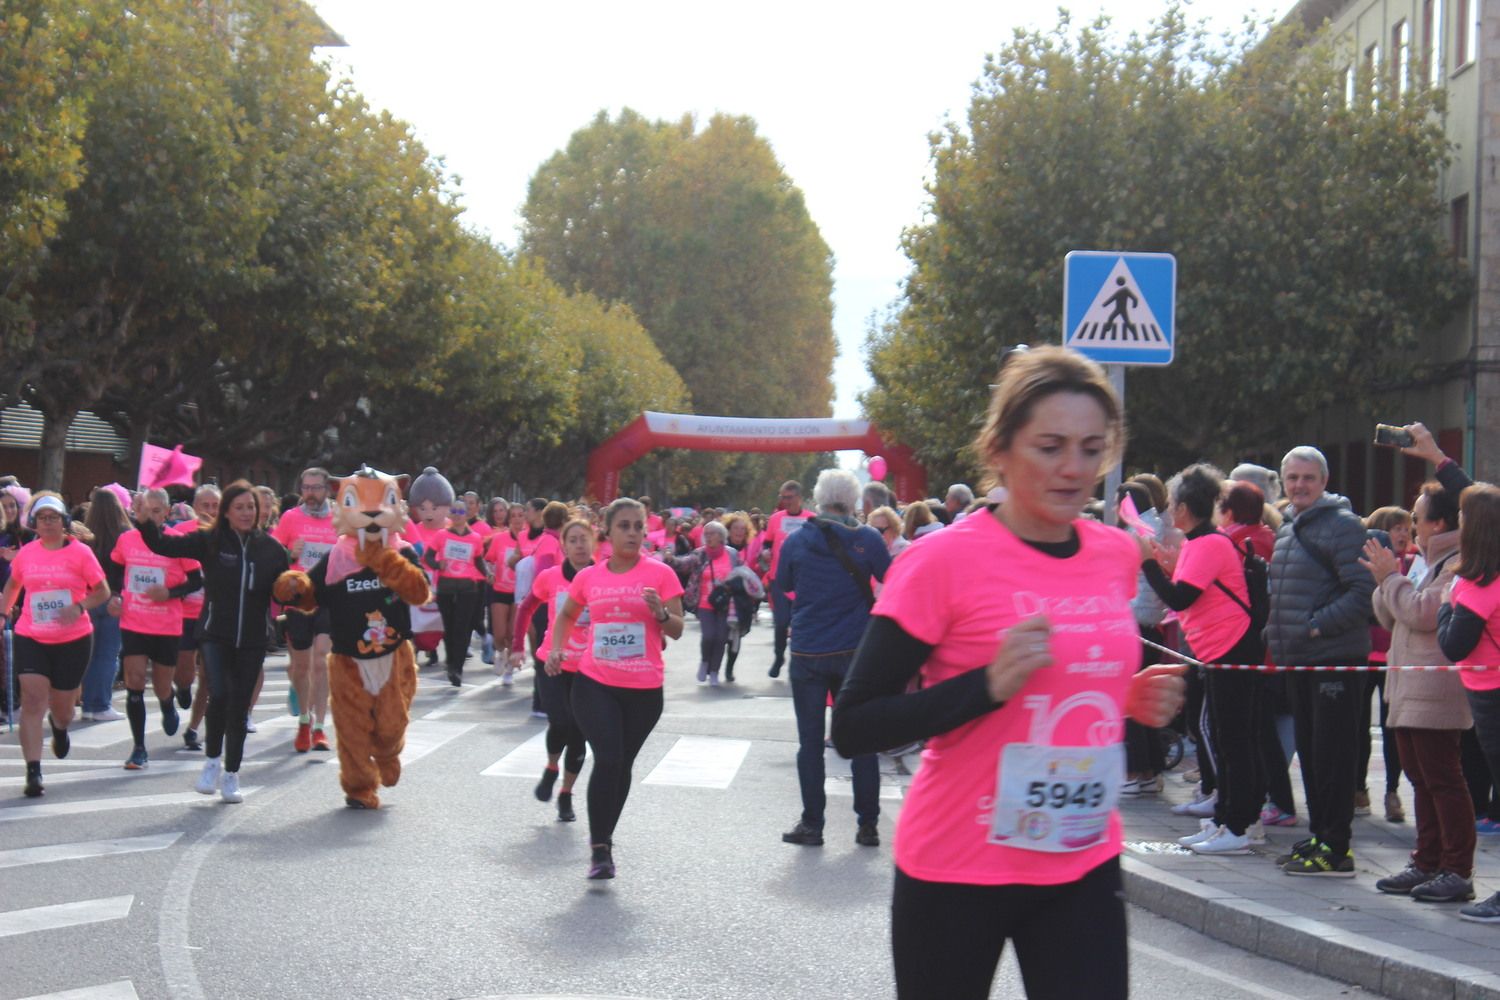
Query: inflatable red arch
x: 700, y: 433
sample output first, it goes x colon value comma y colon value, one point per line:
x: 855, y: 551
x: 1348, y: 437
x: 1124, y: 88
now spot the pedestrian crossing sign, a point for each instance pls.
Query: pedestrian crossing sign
x: 1119, y: 308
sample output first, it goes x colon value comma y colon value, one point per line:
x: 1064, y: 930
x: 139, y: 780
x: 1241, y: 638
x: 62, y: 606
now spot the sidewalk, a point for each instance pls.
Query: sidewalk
x: 1342, y: 928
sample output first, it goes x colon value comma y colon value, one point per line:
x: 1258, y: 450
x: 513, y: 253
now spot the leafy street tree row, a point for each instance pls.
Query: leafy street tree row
x: 204, y: 240
x: 1307, y: 231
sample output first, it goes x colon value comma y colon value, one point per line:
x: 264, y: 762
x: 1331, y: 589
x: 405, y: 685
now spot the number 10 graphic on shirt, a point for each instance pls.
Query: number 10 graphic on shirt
x: 1058, y: 799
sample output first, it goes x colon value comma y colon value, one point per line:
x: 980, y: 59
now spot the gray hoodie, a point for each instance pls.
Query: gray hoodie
x: 1305, y: 595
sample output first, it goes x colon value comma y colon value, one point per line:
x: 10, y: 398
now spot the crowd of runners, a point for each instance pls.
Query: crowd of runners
x: 1036, y: 652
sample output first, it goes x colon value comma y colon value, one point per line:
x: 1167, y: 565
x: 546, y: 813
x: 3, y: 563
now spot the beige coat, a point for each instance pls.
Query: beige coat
x: 1420, y: 699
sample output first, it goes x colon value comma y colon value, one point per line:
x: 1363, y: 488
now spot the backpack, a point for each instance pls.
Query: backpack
x: 1257, y: 585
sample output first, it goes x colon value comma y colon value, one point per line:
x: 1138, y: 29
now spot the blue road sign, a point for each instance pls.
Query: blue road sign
x: 1119, y: 308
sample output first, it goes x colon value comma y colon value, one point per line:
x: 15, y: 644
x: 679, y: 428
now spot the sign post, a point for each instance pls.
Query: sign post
x: 1120, y: 309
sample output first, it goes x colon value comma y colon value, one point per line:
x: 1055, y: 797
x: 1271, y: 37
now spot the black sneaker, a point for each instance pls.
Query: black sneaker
x: 33, y: 780
x: 602, y: 865
x: 1445, y: 887
x: 544, y: 787
x: 868, y: 835
x: 170, y: 720
x: 776, y: 668
x: 61, y: 742
x: 455, y: 677
x: 565, y: 812
x: 190, y: 740
x: 1300, y: 850
x: 804, y: 835
x: 1405, y: 880
x: 1323, y: 862
x: 185, y: 696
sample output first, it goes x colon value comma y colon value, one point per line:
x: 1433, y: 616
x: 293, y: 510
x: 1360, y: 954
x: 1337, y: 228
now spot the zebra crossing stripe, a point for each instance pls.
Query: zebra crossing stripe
x: 122, y: 990
x: 423, y: 737
x: 86, y: 849
x: 840, y: 787
x: 700, y: 762
x: 525, y: 761
x: 49, y: 918
x: 11, y: 814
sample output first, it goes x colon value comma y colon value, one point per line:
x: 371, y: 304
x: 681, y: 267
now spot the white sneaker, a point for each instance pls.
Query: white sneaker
x: 1142, y: 786
x: 208, y: 779
x: 229, y: 791
x: 1199, y: 808
x: 250, y: 724
x: 1223, y: 842
x: 86, y: 716
x: 702, y: 671
x: 1256, y: 832
x: 508, y: 679
x: 108, y: 715
x: 1206, y: 829
x: 713, y: 680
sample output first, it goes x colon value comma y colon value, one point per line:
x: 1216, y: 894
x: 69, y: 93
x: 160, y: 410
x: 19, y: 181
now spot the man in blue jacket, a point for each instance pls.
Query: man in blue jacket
x: 828, y: 566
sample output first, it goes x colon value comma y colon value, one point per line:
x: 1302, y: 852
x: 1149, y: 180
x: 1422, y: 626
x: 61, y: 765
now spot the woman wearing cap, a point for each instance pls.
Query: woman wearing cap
x: 63, y: 581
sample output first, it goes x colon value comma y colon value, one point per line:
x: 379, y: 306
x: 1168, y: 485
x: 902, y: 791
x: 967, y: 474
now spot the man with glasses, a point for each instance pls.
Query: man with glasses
x: 308, y: 533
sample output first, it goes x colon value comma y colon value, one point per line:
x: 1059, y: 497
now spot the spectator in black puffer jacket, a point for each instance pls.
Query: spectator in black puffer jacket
x: 1320, y: 615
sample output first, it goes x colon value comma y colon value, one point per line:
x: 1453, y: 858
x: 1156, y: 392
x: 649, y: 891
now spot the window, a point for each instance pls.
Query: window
x: 1432, y: 41
x: 1372, y: 70
x: 1348, y: 86
x: 1459, y: 226
x: 1401, y: 56
x: 1465, y: 32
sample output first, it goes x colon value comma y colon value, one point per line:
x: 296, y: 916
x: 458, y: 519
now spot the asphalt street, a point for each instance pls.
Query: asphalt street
x: 118, y: 885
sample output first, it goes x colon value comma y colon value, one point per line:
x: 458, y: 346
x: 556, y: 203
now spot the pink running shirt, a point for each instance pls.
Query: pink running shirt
x: 781, y: 526
x: 958, y: 590
x: 1483, y: 601
x: 625, y: 639
x: 192, y: 604
x: 317, y: 534
x: 458, y: 553
x: 550, y: 589
x: 143, y: 569
x: 51, y: 580
x: 1213, y: 623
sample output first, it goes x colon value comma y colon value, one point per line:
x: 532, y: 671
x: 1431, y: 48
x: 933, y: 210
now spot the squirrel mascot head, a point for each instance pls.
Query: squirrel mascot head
x: 431, y: 497
x: 367, y: 503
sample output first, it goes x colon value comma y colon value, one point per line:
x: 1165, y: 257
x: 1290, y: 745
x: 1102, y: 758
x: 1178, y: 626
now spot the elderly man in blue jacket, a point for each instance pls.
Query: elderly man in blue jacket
x: 828, y: 566
x: 1320, y: 616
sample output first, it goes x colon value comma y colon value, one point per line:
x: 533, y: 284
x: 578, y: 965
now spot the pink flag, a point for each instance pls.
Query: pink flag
x: 165, y: 467
x: 1132, y: 517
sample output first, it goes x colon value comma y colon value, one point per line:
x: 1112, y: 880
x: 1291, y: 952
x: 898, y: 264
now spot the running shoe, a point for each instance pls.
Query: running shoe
x: 190, y: 740
x: 803, y: 835
x: 208, y: 778
x: 543, y: 790
x: 250, y: 723
x: 1299, y: 850
x: 1487, y: 912
x: 1404, y: 881
x: 1272, y: 816
x: 34, y: 786
x: 229, y: 787
x: 1223, y: 841
x: 1487, y: 827
x: 170, y: 720
x: 775, y: 670
x: 456, y: 677
x: 184, y: 696
x: 702, y: 671
x: 1394, y: 811
x: 713, y: 680
x: 508, y: 679
x: 61, y: 742
x: 320, y: 741
x: 1446, y: 887
x: 1323, y: 863
x: 1142, y: 786
x: 868, y: 835
x: 1199, y: 808
x: 603, y: 864
x: 565, y: 813
x: 1361, y: 802
x: 138, y: 760
x: 1206, y: 829
x: 85, y: 716
x: 302, y: 742
x: 109, y: 715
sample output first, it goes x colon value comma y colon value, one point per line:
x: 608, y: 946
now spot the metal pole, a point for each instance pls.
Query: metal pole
x: 1113, y: 476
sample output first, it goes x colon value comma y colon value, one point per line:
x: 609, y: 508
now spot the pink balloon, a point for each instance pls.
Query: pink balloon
x: 877, y: 468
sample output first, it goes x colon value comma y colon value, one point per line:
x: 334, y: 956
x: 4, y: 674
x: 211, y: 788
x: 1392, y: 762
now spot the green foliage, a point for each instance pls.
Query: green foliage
x: 1307, y: 234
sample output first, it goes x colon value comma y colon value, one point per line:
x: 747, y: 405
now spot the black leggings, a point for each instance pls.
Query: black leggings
x: 1070, y: 939
x: 1390, y: 752
x: 459, y: 608
x: 1236, y: 703
x: 616, y: 722
x: 231, y: 674
x: 563, y: 734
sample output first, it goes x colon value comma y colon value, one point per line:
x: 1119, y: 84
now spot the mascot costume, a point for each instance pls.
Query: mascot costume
x: 368, y: 582
x: 430, y: 498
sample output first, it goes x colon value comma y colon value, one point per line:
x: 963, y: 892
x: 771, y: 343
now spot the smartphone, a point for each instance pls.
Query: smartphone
x: 1393, y: 437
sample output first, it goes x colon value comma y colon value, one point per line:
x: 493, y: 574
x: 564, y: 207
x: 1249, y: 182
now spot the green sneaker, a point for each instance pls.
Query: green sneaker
x: 1323, y: 862
x: 1300, y: 850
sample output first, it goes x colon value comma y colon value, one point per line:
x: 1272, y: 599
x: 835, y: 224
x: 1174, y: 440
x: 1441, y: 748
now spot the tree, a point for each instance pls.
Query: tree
x: 1306, y: 232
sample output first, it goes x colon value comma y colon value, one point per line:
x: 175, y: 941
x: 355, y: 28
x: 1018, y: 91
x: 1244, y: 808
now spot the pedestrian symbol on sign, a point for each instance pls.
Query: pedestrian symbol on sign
x: 1108, y: 320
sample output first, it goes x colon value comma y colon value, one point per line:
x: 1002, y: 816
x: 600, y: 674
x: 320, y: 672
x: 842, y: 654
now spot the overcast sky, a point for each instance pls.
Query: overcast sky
x: 845, y: 93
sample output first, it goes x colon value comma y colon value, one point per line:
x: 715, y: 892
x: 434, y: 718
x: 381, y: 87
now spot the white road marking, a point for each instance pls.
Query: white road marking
x: 423, y: 737
x: 525, y: 761
x: 1209, y: 972
x: 97, y: 735
x: 49, y: 918
x: 86, y: 849
x: 700, y: 762
x: 104, y: 771
x: 11, y: 814
x: 122, y: 990
x: 468, y: 691
x: 838, y: 786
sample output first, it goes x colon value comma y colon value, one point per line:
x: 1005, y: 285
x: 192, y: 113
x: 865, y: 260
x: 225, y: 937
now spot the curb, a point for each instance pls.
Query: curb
x: 1324, y: 949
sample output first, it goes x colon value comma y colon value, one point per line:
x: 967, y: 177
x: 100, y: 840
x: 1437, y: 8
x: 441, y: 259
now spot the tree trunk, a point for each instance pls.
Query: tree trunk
x: 52, y: 461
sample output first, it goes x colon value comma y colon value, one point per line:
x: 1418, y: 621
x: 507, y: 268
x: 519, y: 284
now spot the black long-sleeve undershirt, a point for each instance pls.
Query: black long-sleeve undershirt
x: 1177, y: 596
x: 1459, y: 631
